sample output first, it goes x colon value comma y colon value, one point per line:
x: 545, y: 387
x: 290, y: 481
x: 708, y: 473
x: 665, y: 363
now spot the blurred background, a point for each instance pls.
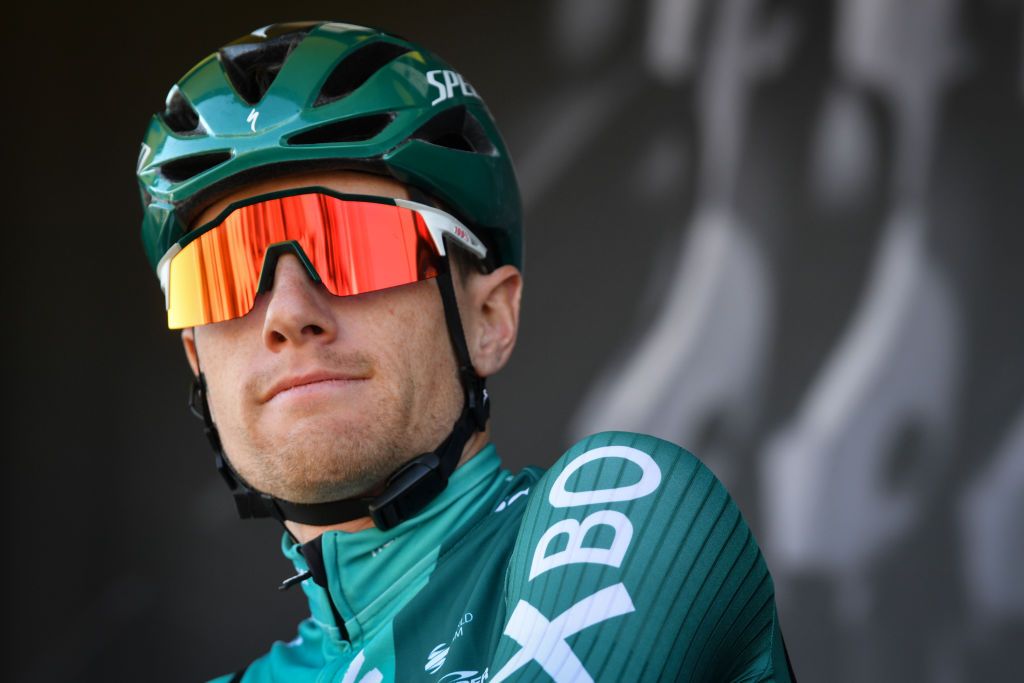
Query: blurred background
x: 783, y: 234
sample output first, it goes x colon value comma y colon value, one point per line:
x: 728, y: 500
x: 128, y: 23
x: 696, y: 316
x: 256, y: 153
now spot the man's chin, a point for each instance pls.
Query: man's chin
x: 321, y: 427
x: 315, y: 469
x: 328, y: 491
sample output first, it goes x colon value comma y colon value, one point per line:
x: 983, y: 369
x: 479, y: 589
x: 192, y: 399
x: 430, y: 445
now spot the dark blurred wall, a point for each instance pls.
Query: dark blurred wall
x: 783, y: 234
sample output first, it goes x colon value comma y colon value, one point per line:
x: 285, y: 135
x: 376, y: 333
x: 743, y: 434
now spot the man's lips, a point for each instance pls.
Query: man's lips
x: 293, y: 381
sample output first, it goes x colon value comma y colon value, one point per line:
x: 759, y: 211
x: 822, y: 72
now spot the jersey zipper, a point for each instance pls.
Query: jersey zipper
x: 313, y: 553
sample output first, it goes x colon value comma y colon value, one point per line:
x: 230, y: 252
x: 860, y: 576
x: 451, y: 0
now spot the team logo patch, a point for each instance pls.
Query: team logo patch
x: 435, y: 660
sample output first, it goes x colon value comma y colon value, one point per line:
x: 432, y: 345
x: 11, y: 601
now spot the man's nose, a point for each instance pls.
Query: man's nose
x: 299, y: 309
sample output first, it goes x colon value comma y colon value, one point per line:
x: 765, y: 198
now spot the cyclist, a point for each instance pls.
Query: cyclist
x: 336, y: 225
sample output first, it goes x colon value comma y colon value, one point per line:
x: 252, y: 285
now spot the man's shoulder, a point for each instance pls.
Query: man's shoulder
x: 625, y: 472
x: 617, y: 467
x: 620, y: 443
x: 626, y: 500
x: 636, y: 483
x: 607, y: 500
x: 631, y: 546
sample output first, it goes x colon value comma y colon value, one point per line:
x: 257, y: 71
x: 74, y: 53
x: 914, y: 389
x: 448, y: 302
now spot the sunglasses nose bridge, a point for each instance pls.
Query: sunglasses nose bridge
x: 273, y: 254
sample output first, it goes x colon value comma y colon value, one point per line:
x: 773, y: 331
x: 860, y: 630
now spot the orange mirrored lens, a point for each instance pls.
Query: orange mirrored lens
x: 354, y: 246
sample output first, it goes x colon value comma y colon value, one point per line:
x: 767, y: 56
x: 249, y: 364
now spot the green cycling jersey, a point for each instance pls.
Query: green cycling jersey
x: 626, y: 561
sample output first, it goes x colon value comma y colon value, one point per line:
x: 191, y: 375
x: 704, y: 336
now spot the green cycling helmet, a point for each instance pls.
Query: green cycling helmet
x: 325, y: 95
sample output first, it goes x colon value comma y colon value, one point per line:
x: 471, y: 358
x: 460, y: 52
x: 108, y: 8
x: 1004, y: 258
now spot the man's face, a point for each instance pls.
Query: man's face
x: 318, y: 397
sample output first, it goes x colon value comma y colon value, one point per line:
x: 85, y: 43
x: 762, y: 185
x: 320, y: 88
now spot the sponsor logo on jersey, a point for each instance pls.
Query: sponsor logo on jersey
x: 435, y: 660
x: 542, y: 639
x: 466, y: 618
x: 437, y: 656
x: 377, y: 551
x: 511, y: 499
x: 464, y: 677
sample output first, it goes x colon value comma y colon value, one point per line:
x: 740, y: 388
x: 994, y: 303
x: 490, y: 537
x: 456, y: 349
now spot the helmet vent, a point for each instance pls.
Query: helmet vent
x: 356, y: 129
x: 180, y: 116
x: 184, y: 168
x: 356, y: 69
x: 253, y: 62
x: 456, y: 128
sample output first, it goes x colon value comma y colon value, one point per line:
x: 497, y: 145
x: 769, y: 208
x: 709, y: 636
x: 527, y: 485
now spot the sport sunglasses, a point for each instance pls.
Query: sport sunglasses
x: 351, y: 243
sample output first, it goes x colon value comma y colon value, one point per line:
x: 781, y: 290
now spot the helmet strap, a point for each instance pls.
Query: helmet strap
x: 409, y: 489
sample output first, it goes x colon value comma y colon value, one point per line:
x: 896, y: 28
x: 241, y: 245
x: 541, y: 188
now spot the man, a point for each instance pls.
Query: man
x: 335, y: 222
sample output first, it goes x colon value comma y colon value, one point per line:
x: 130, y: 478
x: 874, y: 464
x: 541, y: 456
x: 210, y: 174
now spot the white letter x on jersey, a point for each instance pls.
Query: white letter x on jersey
x: 544, y: 641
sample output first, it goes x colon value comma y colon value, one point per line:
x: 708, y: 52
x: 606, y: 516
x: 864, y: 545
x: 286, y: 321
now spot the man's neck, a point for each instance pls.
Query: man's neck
x: 307, y: 532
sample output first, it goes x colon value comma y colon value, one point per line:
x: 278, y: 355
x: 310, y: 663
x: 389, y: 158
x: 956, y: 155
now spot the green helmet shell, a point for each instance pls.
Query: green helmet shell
x: 326, y: 95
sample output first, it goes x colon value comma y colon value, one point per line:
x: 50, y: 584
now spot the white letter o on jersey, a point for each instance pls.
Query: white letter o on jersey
x: 650, y: 479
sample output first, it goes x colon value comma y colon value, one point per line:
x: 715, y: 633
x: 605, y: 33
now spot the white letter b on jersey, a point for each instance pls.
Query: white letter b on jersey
x: 575, y: 551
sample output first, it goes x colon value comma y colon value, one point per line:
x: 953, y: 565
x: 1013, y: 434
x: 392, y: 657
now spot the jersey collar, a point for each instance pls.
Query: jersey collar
x: 371, y: 574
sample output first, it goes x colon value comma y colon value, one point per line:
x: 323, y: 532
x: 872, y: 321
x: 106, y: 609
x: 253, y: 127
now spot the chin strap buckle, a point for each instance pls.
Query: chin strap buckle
x: 408, y: 491
x: 252, y: 505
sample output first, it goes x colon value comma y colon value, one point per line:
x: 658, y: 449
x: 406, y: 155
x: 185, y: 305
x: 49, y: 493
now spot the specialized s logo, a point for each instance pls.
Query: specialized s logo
x: 543, y: 639
x: 435, y: 660
x: 446, y: 82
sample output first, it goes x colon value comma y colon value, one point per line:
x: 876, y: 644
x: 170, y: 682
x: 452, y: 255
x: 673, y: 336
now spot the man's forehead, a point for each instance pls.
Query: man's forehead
x: 351, y: 182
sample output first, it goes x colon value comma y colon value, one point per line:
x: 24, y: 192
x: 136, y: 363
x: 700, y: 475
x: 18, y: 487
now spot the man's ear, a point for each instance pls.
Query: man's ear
x: 494, y: 319
x: 188, y: 340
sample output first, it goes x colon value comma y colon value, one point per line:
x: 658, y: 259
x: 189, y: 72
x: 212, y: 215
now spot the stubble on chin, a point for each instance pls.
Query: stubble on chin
x: 353, y: 456
x: 324, y: 456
